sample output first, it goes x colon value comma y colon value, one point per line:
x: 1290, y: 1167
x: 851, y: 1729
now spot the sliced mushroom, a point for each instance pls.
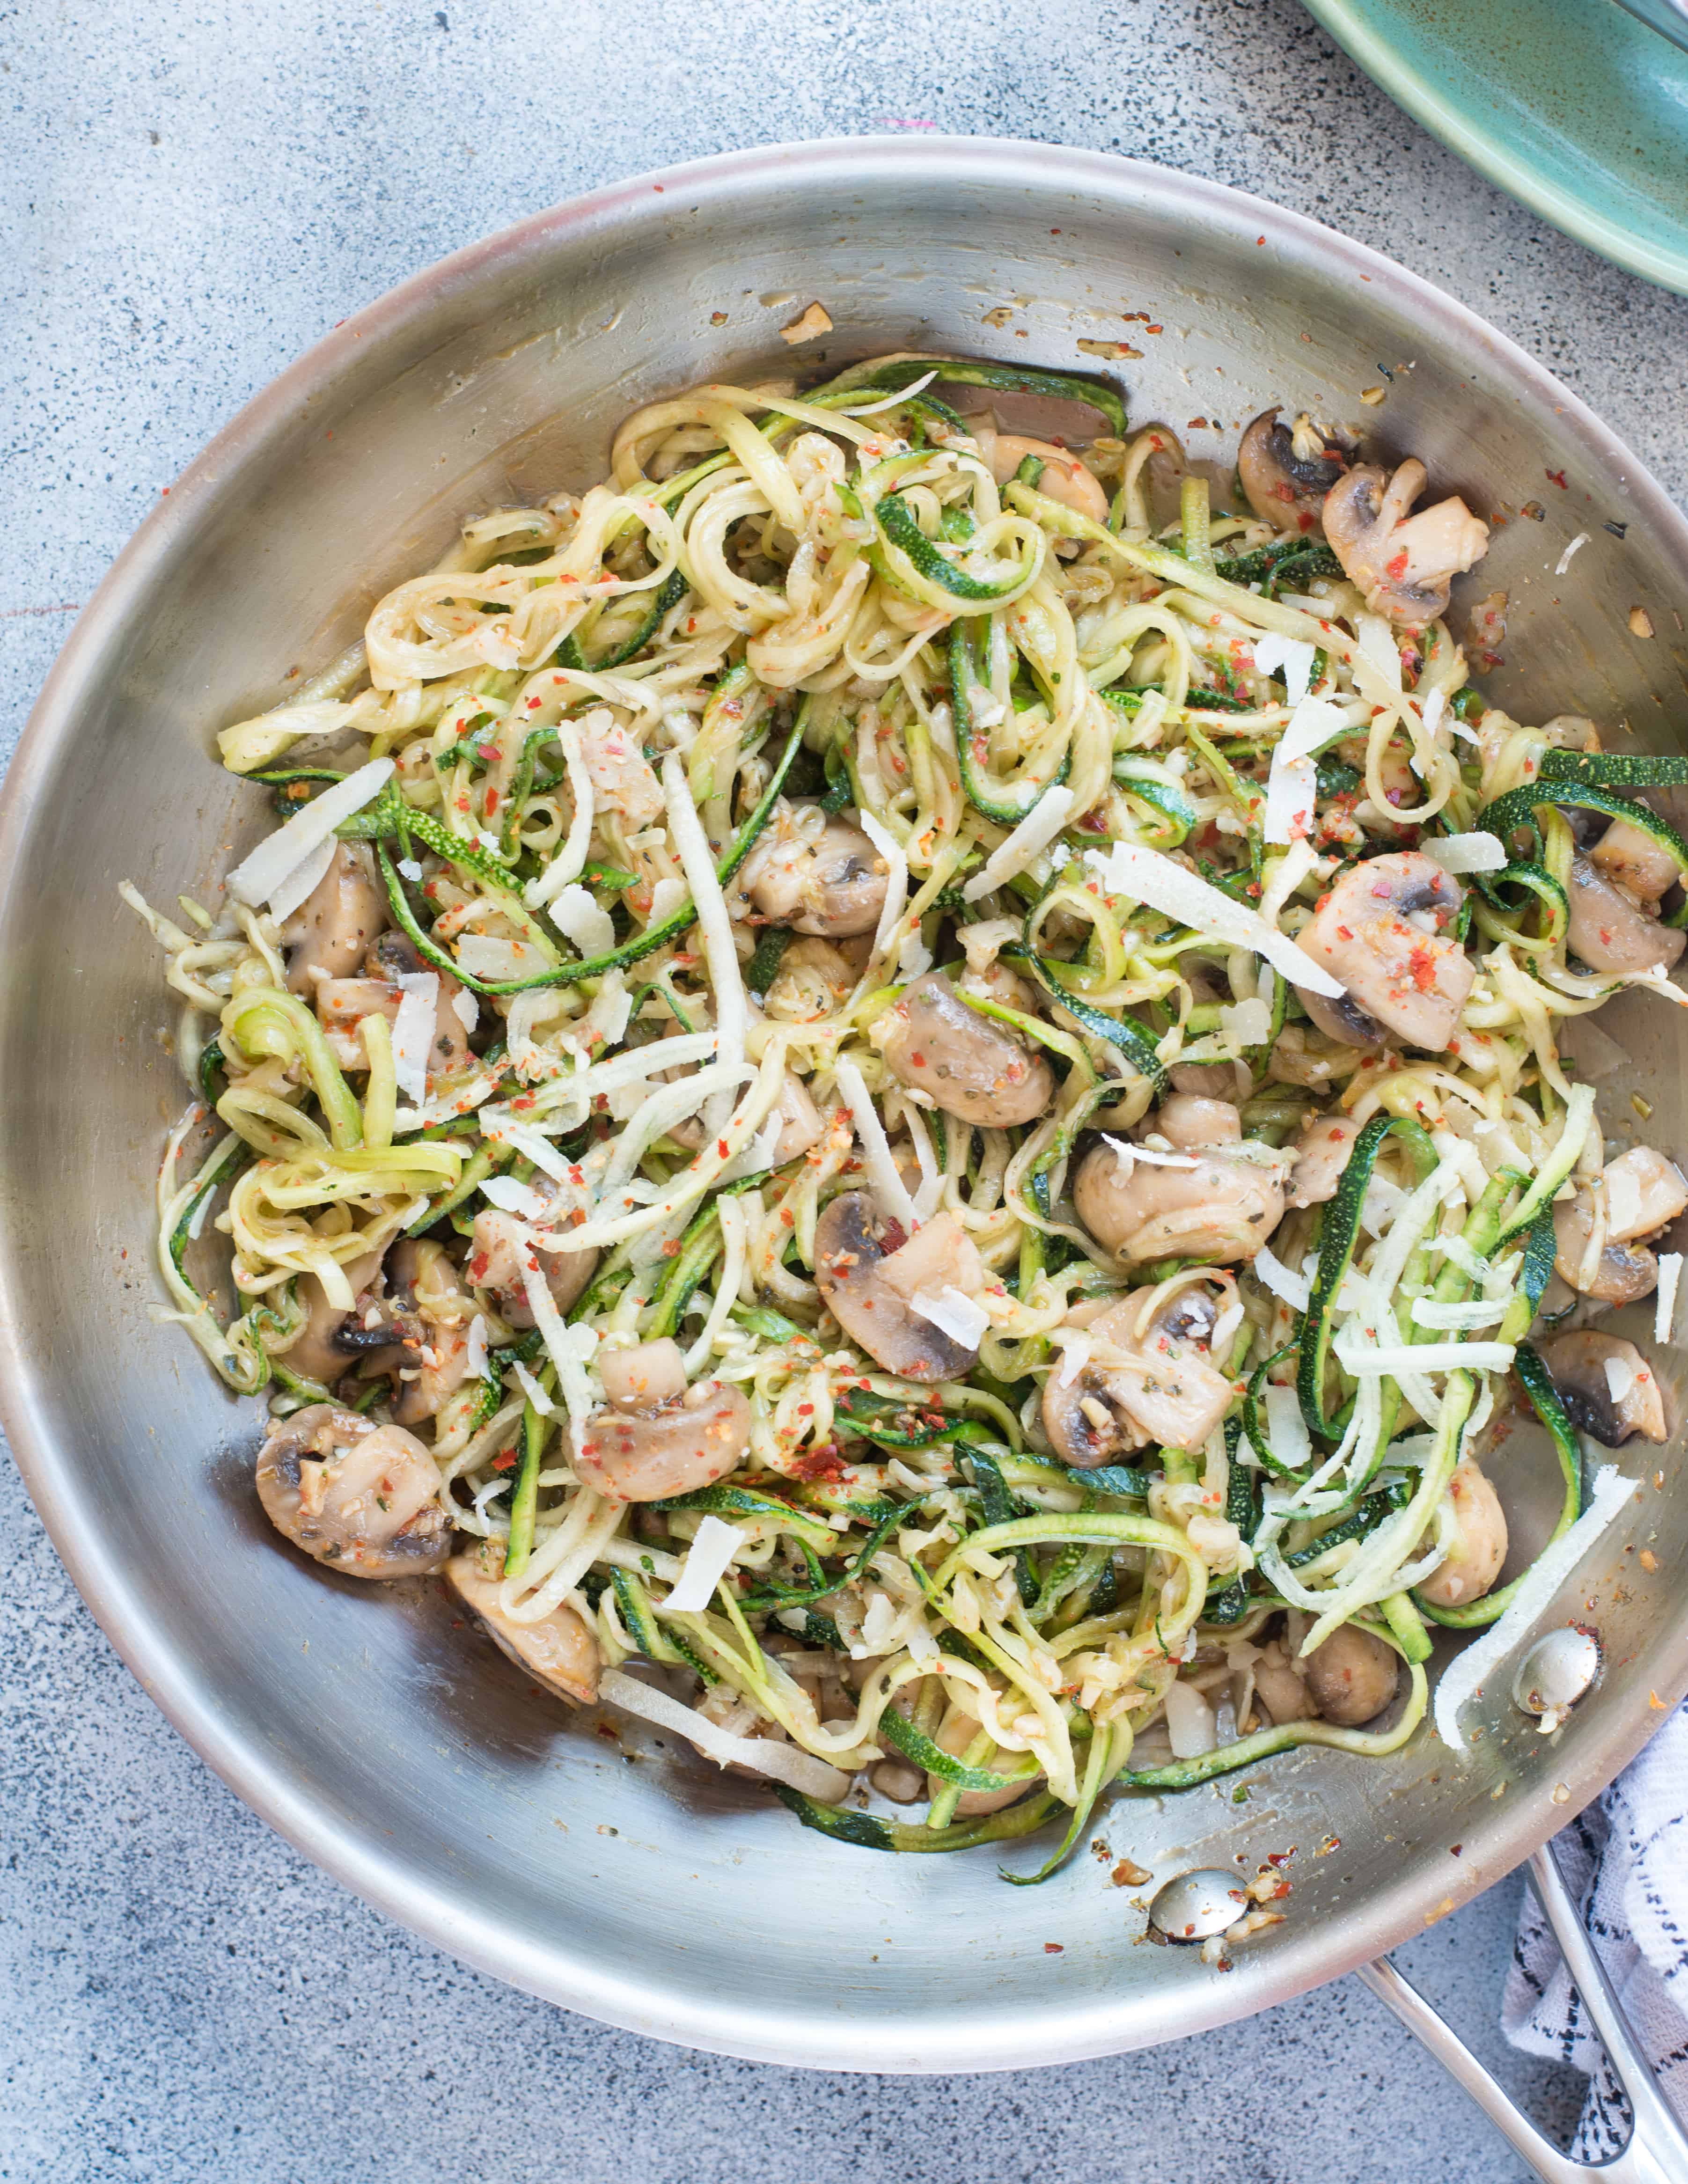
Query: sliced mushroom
x: 333, y: 927
x: 1220, y: 1209
x: 1065, y: 478
x: 1160, y: 1386
x: 1351, y: 1677
x: 854, y: 1247
x: 433, y: 1316
x: 1610, y: 932
x: 1622, y: 1274
x: 656, y: 1436
x: 341, y: 1005
x: 1286, y: 483
x: 558, y: 1650
x: 362, y: 1498
x: 953, y: 1734
x: 1403, y: 565
x: 1607, y: 1386
x: 319, y: 1354
x: 973, y: 1067
x: 1383, y: 931
x: 1631, y: 858
x: 1471, y: 1566
x: 1341, y: 1017
x: 499, y: 1258
x: 831, y: 883
x: 1322, y: 1152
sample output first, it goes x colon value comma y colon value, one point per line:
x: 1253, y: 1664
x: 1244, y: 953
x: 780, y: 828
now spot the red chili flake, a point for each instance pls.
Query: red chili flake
x: 895, y: 1237
x: 1397, y: 569
x: 533, y: 705
x: 1054, y: 1948
x: 490, y: 802
x: 671, y: 1250
x: 917, y: 1061
x: 721, y: 1147
x: 504, y: 1460
x: 477, y: 1269
x: 1155, y: 329
x: 1557, y: 477
x: 820, y: 1463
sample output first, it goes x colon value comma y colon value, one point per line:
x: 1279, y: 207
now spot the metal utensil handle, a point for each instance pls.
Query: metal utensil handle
x: 1657, y: 2151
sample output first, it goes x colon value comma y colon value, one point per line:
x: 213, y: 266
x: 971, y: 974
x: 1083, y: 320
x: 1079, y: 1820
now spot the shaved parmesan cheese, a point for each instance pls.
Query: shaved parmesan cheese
x: 1294, y: 1290
x: 1481, y: 1312
x: 955, y: 1312
x: 888, y: 1186
x: 1477, y: 852
x: 1377, y: 642
x: 666, y: 898
x: 707, y: 1560
x: 1033, y: 834
x: 1464, y: 1676
x: 1291, y: 654
x: 1431, y: 711
x: 1245, y: 1024
x: 1075, y: 1346
x: 1565, y: 559
x: 1620, y: 1377
x: 467, y: 1009
x: 577, y: 916
x: 511, y: 1196
x: 1291, y: 792
x: 1286, y: 876
x: 1190, y: 1723
x: 569, y: 861
x: 1146, y: 876
x: 1418, y: 1357
x: 302, y: 882
x: 1624, y: 1216
x: 477, y: 1346
x: 256, y: 877
x: 1286, y: 1427
x: 413, y: 1032
x: 410, y: 869
x: 897, y: 890
x: 531, y: 1389
x: 1315, y: 722
x: 1664, y: 1305
x: 494, y: 955
x: 763, y: 1755
x: 569, y: 1348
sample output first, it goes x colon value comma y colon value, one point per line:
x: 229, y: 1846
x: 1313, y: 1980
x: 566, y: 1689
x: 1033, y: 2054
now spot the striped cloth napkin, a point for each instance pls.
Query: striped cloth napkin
x: 1625, y: 1861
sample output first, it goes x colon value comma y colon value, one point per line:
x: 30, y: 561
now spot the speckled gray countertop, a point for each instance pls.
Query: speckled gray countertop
x: 190, y: 195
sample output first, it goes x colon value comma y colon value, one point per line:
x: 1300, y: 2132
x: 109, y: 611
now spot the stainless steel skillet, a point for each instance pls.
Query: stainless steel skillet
x: 395, y: 1748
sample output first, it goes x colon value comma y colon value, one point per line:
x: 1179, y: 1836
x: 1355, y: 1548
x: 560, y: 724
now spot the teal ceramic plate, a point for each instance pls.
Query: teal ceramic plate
x: 1573, y: 106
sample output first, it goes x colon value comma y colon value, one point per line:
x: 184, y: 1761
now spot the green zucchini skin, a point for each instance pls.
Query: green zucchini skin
x: 1515, y: 813
x: 1616, y: 769
x: 1010, y: 806
x: 865, y: 1832
x: 1000, y: 378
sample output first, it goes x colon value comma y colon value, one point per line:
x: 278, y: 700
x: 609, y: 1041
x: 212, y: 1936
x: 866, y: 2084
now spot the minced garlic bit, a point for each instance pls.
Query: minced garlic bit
x: 814, y: 321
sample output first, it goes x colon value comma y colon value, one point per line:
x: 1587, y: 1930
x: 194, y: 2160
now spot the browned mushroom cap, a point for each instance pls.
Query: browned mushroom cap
x: 1341, y: 1017
x: 1219, y: 1209
x: 1322, y: 1153
x: 1280, y: 1687
x: 1403, y: 565
x: 336, y: 922
x: 656, y: 1436
x: 832, y: 884
x: 1609, y: 932
x: 1285, y: 489
x: 558, y: 1649
x: 1384, y: 931
x: 431, y: 1318
x: 853, y: 1242
x: 498, y: 1261
x: 1160, y: 1386
x: 1643, y: 1194
x: 1351, y: 1677
x: 364, y: 1499
x: 1629, y: 857
x: 1473, y: 1563
x: 1607, y: 1386
x: 973, y: 1067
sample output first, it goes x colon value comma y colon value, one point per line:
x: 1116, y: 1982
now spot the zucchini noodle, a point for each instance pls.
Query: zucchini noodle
x: 756, y: 1157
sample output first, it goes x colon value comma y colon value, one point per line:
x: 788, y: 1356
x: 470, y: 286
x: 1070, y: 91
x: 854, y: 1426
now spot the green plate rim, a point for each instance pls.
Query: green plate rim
x: 1530, y: 183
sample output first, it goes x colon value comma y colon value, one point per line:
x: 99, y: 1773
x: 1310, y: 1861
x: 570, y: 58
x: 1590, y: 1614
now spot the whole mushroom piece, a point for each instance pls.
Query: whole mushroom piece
x: 831, y: 883
x: 973, y: 1067
x: 657, y: 1436
x: 331, y: 930
x: 1158, y: 1385
x: 1611, y: 931
x: 1642, y: 1193
x: 1287, y: 472
x: 1213, y: 1205
x: 1384, y: 931
x: 558, y: 1649
x: 871, y: 1297
x: 1403, y: 565
x: 362, y: 1498
x: 1607, y: 1386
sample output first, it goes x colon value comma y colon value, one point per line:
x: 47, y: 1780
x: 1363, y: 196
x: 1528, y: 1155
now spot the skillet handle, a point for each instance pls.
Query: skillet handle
x: 1657, y: 2151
